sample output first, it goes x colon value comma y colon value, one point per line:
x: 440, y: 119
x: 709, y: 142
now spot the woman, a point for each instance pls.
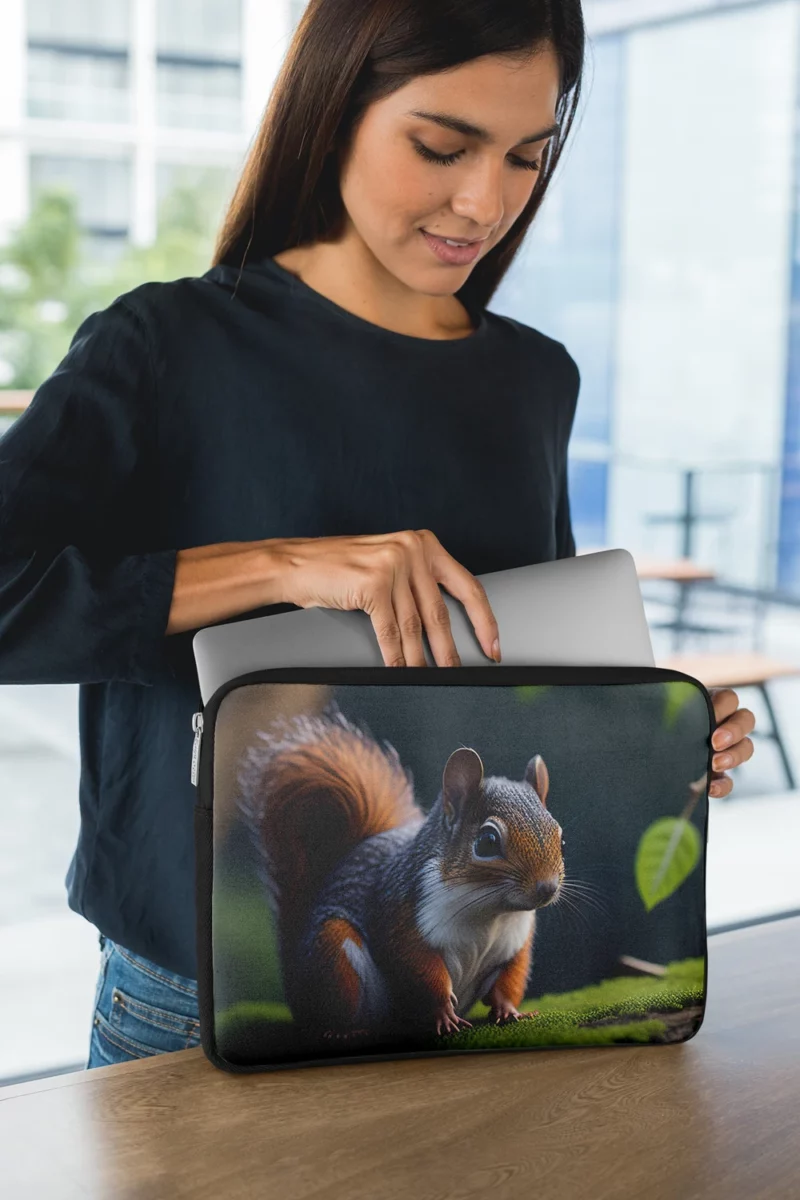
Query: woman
x: 328, y: 417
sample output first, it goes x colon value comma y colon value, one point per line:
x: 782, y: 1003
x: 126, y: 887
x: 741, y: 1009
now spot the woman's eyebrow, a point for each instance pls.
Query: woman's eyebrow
x: 447, y: 121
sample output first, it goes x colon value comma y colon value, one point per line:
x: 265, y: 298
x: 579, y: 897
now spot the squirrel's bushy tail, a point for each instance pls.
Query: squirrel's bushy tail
x: 311, y: 789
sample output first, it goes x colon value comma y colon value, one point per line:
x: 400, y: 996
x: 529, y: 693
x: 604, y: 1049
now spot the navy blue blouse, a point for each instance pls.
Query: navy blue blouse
x: 238, y: 406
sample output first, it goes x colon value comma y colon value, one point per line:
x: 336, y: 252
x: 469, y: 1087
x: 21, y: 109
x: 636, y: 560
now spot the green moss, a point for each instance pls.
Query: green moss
x: 249, y: 1010
x: 681, y: 985
x: 551, y: 1032
x: 564, y: 1019
x: 244, y: 934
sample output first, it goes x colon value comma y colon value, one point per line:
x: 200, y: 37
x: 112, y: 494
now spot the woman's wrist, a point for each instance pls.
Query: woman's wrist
x: 272, y: 566
x: 225, y: 579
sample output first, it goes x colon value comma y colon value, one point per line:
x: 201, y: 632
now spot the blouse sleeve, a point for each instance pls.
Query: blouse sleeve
x: 81, y: 598
x: 565, y: 540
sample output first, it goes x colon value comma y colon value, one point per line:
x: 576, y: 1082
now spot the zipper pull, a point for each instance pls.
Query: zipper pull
x: 197, y: 726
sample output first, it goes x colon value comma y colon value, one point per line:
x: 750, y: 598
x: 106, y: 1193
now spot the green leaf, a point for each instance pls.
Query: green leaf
x: 667, y: 853
x: 677, y: 695
x: 531, y: 691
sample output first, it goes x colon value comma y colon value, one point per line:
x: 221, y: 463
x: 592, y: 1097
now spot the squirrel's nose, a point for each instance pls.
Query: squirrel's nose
x: 545, y: 890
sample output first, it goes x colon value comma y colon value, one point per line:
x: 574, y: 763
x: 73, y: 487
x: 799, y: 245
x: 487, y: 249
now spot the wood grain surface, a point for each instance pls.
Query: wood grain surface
x: 717, y: 1116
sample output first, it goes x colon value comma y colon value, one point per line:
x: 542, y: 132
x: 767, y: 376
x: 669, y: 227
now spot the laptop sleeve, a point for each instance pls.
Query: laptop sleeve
x: 411, y: 861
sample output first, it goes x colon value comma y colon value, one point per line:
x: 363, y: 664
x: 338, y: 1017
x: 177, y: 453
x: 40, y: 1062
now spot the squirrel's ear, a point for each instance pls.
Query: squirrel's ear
x: 463, y: 775
x: 537, y: 776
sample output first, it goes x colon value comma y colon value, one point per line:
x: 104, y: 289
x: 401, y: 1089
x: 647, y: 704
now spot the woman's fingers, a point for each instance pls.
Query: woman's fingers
x: 729, y: 740
x: 394, y: 578
x: 464, y: 586
x: 435, y: 615
x: 409, y: 622
x: 725, y: 701
x: 733, y: 729
x: 738, y: 753
x: 380, y: 610
x: 733, y: 723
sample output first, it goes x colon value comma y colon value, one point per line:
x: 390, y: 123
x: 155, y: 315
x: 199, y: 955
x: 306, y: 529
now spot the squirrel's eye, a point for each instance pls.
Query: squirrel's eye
x: 487, y: 843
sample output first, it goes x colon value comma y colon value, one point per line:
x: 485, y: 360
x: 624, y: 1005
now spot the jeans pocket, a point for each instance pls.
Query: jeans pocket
x: 143, y: 1009
x: 105, y: 952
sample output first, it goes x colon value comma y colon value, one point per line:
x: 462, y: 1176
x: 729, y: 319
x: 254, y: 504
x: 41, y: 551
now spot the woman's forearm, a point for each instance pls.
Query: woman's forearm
x: 218, y: 581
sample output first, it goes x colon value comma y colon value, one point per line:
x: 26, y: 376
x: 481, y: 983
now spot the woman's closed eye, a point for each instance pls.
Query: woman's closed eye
x: 446, y: 160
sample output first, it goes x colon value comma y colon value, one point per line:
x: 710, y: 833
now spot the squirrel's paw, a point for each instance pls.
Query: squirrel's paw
x: 506, y: 1011
x: 447, y: 1019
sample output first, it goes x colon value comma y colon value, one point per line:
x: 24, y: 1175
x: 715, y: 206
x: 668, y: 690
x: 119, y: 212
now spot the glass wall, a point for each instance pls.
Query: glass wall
x: 565, y: 281
x: 788, y: 554
x: 661, y: 258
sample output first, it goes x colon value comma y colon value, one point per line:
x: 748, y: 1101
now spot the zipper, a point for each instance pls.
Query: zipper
x: 197, y: 726
x: 500, y: 674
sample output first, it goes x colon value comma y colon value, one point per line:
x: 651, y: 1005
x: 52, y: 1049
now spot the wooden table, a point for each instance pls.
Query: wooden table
x: 714, y: 1117
x: 679, y: 570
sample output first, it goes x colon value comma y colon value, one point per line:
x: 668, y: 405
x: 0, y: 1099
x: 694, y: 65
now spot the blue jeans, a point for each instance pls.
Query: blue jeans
x: 140, y: 1009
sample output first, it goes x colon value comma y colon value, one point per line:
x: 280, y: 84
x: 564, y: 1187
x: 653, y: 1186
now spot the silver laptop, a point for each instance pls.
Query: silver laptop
x: 579, y: 611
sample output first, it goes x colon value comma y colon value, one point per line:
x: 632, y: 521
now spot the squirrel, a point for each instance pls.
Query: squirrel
x: 388, y: 919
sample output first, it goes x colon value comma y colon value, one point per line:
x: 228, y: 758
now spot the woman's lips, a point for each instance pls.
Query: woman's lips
x: 453, y: 255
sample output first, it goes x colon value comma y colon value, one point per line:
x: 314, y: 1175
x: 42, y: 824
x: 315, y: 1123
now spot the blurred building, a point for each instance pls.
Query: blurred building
x: 121, y: 99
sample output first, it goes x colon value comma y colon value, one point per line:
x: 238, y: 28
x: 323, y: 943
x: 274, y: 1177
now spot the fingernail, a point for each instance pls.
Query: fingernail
x: 496, y: 650
x: 722, y: 738
x: 721, y: 761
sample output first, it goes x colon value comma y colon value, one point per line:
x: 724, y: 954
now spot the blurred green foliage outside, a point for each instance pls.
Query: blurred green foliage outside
x: 51, y: 276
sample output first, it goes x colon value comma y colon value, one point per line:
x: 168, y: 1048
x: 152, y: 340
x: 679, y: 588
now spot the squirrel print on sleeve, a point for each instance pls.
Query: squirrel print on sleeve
x: 390, y: 921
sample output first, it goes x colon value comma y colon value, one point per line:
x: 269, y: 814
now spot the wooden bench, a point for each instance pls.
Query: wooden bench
x: 740, y: 670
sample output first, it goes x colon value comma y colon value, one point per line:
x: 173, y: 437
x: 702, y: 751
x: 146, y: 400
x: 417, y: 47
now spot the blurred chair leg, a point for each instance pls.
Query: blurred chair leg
x: 775, y: 733
x: 680, y: 609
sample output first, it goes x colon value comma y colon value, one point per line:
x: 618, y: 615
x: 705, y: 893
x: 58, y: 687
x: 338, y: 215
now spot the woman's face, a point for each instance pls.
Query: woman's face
x: 393, y: 189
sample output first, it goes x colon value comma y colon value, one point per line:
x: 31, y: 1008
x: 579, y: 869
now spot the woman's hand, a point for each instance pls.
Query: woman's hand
x: 394, y: 578
x: 729, y: 740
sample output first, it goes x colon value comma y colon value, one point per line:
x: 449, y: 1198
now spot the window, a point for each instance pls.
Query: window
x: 199, y: 95
x: 102, y: 187
x: 210, y: 187
x: 199, y: 64
x: 78, y: 62
x: 99, y: 22
x: 70, y: 86
x: 204, y: 28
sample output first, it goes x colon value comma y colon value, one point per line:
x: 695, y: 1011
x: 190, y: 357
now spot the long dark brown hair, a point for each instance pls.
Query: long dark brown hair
x: 346, y: 54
